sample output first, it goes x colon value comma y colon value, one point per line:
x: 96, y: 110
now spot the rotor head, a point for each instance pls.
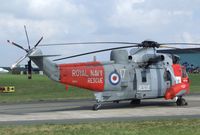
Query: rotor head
x: 149, y: 44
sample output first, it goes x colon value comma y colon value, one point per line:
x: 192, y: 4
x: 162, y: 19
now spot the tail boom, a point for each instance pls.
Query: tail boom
x: 89, y: 75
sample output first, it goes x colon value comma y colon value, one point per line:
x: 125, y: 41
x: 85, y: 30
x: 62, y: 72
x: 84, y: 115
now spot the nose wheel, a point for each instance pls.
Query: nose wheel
x: 181, y: 102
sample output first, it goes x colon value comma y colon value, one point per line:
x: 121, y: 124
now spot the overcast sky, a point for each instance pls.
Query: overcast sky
x: 94, y: 20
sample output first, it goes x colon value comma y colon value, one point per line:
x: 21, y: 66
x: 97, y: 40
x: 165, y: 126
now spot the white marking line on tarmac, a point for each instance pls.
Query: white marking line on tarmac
x: 88, y: 114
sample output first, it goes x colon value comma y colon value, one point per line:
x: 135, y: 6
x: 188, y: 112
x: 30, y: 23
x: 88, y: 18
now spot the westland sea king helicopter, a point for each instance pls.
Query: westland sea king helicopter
x: 146, y: 72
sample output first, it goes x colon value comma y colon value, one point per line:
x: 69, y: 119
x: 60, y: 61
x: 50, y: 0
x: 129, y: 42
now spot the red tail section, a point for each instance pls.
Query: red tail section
x: 181, y: 86
x: 89, y: 75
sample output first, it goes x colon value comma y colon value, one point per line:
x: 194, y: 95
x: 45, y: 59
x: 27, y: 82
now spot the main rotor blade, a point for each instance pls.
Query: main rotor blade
x: 189, y: 44
x: 79, y: 43
x: 176, y: 50
x: 180, y: 51
x: 165, y: 46
x: 17, y: 45
x: 27, y: 38
x: 98, y: 51
x: 38, y: 42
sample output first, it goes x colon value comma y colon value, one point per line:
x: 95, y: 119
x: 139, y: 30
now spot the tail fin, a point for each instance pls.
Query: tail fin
x: 47, y: 66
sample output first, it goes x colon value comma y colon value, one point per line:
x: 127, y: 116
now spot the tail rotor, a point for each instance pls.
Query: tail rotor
x: 28, y: 52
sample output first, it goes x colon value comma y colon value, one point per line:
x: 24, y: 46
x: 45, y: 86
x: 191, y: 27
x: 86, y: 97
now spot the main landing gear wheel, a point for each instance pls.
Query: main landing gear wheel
x: 135, y: 102
x: 181, y: 101
x: 116, y: 101
x: 96, y: 107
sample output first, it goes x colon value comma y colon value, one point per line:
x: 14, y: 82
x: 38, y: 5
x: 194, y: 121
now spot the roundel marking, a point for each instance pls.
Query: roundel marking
x: 114, y: 78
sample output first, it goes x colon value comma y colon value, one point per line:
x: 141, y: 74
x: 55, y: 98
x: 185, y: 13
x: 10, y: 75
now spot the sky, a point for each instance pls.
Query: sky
x: 61, y: 21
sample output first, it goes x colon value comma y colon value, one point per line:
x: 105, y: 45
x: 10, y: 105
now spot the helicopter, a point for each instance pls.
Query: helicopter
x: 146, y: 72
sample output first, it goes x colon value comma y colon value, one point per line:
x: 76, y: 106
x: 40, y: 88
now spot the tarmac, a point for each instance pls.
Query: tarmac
x: 80, y: 111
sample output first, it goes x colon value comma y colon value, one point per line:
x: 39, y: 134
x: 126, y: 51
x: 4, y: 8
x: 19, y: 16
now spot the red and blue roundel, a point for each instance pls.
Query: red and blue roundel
x: 114, y: 78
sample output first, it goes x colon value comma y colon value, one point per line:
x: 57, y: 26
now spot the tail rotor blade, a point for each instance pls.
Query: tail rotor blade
x: 27, y: 37
x: 38, y: 42
x: 17, y: 45
x: 18, y: 61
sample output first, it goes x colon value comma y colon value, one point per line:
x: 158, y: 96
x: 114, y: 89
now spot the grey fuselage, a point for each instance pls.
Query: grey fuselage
x: 139, y: 78
x: 142, y: 74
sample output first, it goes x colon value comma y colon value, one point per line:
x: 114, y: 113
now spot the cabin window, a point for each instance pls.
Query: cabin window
x: 144, y: 76
x: 168, y: 76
